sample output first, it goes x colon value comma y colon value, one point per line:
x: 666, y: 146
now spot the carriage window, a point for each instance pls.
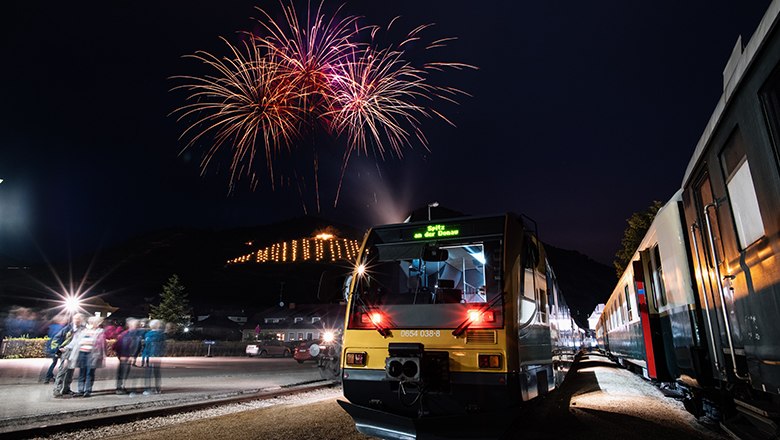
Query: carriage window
x: 628, y: 303
x: 742, y: 193
x: 659, y: 289
x: 770, y: 98
x: 543, y: 306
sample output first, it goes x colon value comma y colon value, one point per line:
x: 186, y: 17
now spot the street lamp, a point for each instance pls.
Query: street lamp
x: 431, y: 205
x: 72, y: 304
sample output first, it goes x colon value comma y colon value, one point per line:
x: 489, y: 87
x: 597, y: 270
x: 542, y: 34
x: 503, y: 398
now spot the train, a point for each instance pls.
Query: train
x: 451, y: 320
x: 698, y: 305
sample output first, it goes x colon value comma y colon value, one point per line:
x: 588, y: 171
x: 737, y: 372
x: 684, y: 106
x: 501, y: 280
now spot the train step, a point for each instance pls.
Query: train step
x: 751, y: 423
x: 761, y: 408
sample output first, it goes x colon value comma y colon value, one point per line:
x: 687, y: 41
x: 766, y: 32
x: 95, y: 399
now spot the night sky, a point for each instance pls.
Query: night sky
x: 581, y: 113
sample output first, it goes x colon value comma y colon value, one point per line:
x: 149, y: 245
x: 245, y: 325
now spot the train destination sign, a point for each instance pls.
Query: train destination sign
x: 436, y: 231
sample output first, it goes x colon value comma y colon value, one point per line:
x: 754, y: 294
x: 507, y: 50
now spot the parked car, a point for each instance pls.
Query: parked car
x: 305, y: 352
x: 268, y: 348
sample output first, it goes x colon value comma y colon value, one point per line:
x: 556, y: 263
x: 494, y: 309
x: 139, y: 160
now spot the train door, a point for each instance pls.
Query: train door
x: 714, y: 274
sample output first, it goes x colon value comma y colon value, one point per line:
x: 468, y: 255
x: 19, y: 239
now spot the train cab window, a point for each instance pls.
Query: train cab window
x: 742, y: 193
x: 659, y: 289
x: 403, y: 274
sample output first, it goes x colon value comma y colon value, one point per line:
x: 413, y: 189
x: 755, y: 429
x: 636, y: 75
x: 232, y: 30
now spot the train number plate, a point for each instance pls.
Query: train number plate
x: 420, y: 333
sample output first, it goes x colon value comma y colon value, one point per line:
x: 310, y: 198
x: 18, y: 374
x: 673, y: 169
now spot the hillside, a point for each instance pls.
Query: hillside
x: 130, y: 275
x: 583, y: 281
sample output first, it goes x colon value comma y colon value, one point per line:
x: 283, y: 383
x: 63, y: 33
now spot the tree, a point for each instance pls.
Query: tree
x: 638, y: 224
x: 174, y: 306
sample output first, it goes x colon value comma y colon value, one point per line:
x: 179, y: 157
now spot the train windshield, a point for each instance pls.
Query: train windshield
x: 415, y: 273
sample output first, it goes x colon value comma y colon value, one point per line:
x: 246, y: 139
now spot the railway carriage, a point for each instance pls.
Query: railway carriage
x: 449, y: 319
x: 719, y: 337
x: 650, y: 322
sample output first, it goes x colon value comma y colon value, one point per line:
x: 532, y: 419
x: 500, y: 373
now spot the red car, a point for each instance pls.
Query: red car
x: 311, y: 350
x: 303, y: 352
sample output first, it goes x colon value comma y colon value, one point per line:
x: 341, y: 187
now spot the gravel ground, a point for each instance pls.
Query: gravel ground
x: 310, y: 415
x: 599, y: 401
x: 602, y: 401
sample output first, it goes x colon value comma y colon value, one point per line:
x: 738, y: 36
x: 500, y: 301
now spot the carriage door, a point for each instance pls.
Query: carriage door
x: 713, y: 217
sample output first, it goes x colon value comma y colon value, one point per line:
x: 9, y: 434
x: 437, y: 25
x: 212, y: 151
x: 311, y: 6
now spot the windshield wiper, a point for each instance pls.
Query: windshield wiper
x: 467, y: 322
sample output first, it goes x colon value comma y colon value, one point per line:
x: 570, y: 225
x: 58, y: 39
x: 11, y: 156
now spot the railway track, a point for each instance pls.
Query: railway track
x: 56, y: 424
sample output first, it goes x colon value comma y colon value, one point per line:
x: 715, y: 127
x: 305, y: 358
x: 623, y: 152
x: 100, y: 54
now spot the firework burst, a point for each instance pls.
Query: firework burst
x: 247, y: 102
x: 311, y: 70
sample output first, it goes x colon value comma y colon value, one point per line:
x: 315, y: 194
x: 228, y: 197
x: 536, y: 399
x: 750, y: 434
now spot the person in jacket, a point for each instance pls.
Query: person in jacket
x: 126, y: 346
x: 58, y: 323
x: 154, y: 349
x: 88, y: 354
x: 64, y: 375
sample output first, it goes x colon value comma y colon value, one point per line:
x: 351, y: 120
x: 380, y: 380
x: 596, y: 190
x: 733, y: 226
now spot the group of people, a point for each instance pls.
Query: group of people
x: 83, y: 345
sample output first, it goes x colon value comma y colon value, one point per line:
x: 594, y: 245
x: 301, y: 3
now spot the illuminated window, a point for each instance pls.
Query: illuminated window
x: 659, y: 289
x: 742, y: 193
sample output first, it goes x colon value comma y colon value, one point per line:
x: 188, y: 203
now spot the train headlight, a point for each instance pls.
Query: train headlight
x: 489, y: 360
x: 356, y: 359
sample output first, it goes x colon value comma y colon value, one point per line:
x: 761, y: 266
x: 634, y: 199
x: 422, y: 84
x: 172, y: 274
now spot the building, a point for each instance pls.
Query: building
x: 297, y: 322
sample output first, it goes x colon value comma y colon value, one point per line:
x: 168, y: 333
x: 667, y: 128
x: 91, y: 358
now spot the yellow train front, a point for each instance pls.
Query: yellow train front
x: 450, y: 319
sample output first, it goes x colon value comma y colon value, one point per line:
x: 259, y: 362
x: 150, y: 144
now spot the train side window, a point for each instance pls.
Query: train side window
x: 629, y: 310
x: 659, y: 289
x: 770, y: 98
x: 543, y: 312
x: 526, y: 302
x: 742, y: 193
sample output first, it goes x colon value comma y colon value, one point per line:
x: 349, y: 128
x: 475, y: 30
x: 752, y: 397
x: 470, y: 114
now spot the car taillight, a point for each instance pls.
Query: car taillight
x: 358, y: 359
x: 489, y: 360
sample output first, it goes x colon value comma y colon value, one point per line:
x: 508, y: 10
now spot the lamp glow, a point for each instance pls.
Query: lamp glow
x: 72, y: 303
x: 328, y: 337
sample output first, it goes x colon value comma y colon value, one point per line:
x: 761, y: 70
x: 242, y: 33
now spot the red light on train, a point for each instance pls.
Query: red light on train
x: 371, y: 318
x: 475, y: 316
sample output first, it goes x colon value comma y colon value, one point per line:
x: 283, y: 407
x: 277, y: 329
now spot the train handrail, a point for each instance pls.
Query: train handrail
x: 715, y: 266
x: 706, y: 301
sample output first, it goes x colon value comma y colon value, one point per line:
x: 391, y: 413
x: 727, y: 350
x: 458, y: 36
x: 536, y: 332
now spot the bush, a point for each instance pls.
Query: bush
x: 18, y: 348
x: 15, y: 348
